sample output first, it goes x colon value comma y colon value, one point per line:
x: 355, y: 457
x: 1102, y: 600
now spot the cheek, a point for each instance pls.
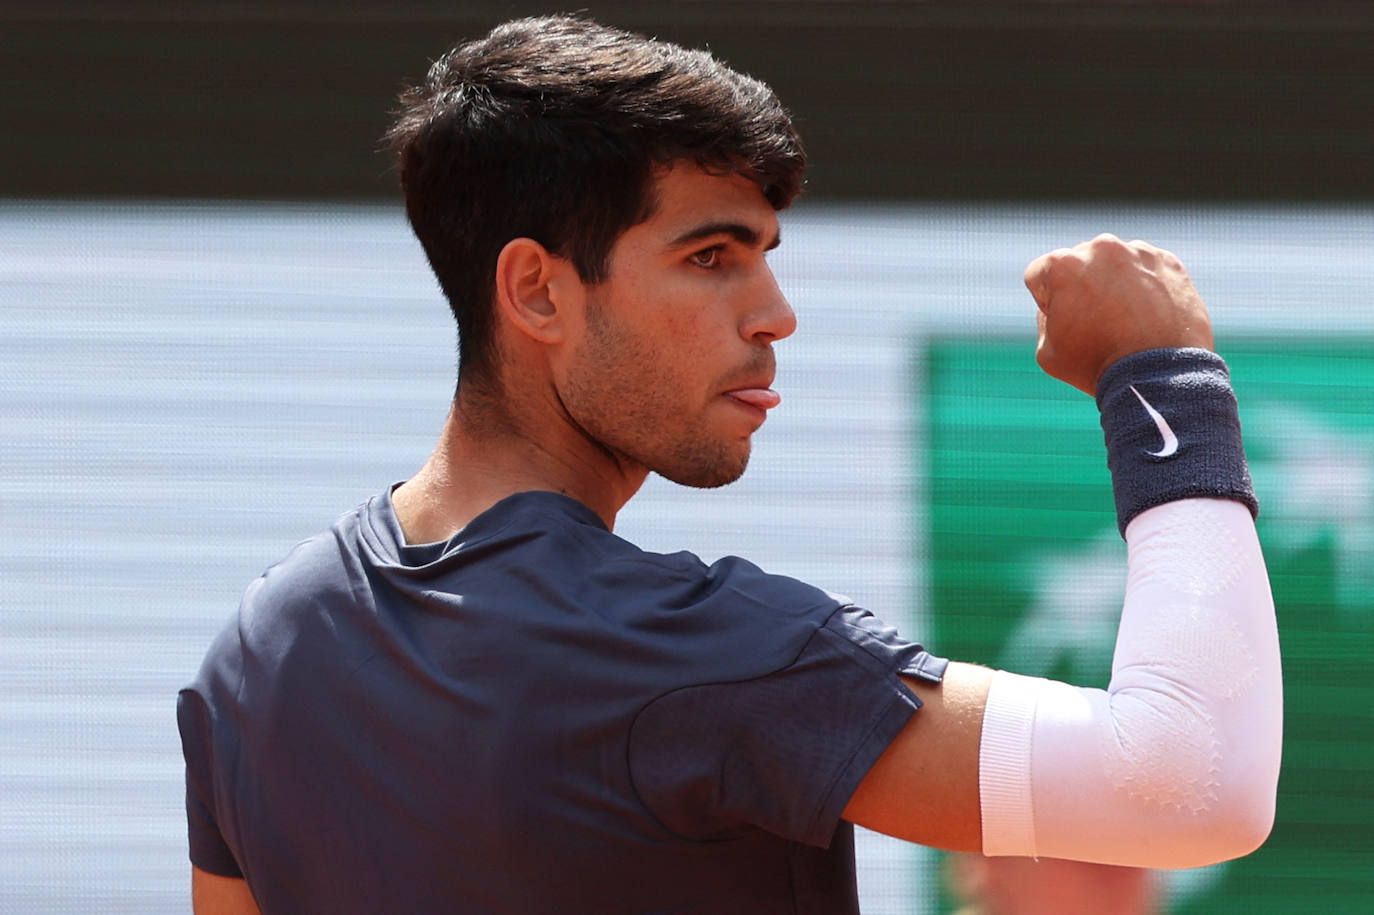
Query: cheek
x: 675, y: 341
x: 699, y: 328
x: 660, y: 350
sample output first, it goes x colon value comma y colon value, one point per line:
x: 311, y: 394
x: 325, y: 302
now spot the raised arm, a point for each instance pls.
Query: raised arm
x: 1176, y: 763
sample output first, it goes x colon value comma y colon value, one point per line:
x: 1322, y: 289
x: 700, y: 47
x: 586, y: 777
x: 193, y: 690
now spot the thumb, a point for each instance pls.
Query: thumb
x: 1044, y: 350
x: 1037, y: 280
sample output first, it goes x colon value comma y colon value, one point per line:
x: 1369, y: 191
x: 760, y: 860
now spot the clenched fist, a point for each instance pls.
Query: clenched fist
x: 1104, y: 299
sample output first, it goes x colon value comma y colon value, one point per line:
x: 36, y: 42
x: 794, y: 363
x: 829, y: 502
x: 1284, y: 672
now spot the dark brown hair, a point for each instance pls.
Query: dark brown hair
x: 554, y: 129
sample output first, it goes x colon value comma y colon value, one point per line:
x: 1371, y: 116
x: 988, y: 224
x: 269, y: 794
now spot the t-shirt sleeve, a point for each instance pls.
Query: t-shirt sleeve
x: 782, y: 752
x: 209, y: 852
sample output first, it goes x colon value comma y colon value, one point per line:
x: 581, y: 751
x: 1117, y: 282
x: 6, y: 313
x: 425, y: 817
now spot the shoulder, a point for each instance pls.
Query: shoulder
x: 747, y: 578
x: 312, y: 570
x: 313, y: 575
x: 558, y: 544
x: 733, y: 580
x: 727, y: 620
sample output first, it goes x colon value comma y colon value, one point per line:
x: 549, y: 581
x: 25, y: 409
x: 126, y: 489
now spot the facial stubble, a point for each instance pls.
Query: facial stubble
x: 624, y: 401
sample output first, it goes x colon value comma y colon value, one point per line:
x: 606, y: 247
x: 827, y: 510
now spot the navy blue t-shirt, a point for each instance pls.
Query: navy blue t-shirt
x: 536, y: 716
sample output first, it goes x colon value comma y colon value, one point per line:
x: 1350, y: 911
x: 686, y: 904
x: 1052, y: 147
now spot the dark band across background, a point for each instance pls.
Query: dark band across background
x: 896, y: 100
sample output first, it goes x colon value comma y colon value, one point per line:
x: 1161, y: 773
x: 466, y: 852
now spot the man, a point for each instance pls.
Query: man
x: 470, y: 695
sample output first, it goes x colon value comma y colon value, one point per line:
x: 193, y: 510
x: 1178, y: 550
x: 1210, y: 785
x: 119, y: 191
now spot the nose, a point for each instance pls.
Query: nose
x: 771, y: 317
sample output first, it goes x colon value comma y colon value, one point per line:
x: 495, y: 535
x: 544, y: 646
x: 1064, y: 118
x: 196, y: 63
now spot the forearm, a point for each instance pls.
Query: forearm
x: 1175, y: 763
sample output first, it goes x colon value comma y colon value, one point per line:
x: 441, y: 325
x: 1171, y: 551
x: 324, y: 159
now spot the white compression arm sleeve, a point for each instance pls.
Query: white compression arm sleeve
x: 1176, y: 763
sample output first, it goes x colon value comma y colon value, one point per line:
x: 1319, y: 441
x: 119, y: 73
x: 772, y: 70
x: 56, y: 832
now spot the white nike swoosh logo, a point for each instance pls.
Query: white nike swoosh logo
x: 1170, y: 440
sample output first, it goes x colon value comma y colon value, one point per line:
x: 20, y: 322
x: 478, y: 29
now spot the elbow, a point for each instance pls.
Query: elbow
x: 1200, y: 840
x: 1247, y: 818
x: 1237, y: 825
x: 1214, y: 790
x: 1247, y: 791
x: 1235, y: 833
x: 1254, y: 831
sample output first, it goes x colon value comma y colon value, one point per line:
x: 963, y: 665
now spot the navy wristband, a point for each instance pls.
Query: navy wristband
x: 1173, y: 432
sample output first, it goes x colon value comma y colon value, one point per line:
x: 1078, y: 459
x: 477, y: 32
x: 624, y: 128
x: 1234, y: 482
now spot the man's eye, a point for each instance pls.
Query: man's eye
x: 708, y: 258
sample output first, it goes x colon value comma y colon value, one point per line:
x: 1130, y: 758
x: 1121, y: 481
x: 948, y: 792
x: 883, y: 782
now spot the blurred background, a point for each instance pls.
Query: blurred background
x: 217, y: 334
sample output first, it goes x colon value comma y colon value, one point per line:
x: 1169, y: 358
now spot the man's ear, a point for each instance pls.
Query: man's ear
x: 535, y: 289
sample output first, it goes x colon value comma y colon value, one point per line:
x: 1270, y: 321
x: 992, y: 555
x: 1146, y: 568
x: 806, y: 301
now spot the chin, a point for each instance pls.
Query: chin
x: 722, y: 471
x: 707, y: 482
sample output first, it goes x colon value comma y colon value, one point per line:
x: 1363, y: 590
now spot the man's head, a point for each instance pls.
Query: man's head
x: 554, y: 129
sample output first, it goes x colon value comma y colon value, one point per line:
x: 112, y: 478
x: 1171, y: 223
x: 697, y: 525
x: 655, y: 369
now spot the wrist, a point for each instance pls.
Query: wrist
x: 1172, y: 430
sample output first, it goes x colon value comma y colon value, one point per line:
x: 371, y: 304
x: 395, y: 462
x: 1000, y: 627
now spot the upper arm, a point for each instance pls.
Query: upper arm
x: 924, y: 788
x: 212, y: 894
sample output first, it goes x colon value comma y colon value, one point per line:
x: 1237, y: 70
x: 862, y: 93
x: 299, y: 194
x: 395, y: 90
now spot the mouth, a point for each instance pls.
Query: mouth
x: 752, y: 389
x: 760, y: 396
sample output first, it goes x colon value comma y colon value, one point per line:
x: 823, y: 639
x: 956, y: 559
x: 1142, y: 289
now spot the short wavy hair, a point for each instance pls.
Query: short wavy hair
x: 555, y: 128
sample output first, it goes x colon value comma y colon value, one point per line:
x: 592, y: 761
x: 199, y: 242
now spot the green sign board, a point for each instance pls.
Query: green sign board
x: 1025, y: 571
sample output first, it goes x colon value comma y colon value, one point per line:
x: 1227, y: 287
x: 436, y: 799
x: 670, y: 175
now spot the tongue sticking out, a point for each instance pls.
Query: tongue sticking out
x: 763, y: 398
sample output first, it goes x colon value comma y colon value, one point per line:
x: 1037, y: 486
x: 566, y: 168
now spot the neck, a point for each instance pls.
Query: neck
x: 492, y: 447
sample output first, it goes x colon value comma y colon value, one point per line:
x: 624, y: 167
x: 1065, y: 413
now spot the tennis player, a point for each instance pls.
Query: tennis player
x: 470, y: 695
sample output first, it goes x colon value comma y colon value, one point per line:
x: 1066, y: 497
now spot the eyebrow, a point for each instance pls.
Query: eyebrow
x: 741, y: 233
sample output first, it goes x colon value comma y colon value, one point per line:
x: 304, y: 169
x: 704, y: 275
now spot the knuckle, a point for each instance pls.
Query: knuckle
x: 1108, y: 245
x: 1045, y: 271
x: 1062, y: 259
